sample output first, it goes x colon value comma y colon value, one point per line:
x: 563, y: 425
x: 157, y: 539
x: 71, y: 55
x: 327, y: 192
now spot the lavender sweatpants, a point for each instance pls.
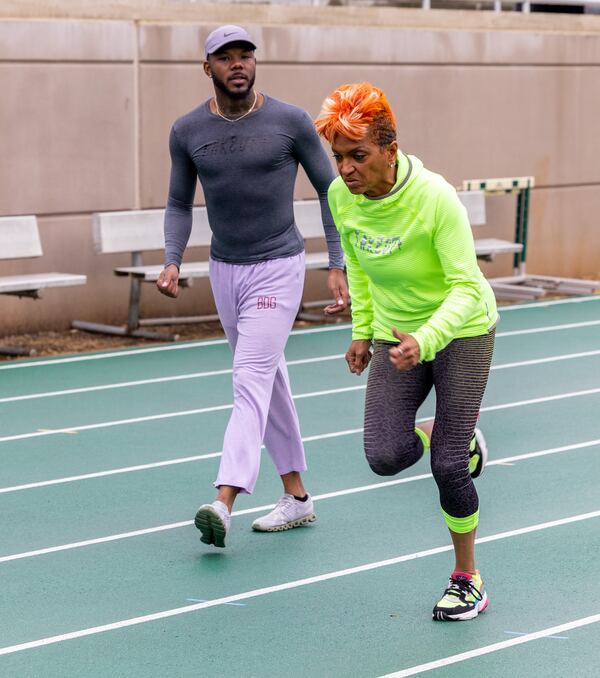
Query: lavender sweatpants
x: 257, y: 305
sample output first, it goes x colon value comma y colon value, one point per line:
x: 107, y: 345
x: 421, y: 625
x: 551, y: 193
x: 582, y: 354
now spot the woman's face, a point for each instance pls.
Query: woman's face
x: 364, y: 166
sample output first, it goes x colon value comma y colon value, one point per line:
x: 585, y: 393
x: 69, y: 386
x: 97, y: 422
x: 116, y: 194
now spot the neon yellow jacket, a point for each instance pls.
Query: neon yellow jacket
x: 411, y: 261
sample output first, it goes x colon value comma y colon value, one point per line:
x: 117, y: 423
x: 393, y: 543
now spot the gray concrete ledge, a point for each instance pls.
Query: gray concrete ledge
x: 172, y: 11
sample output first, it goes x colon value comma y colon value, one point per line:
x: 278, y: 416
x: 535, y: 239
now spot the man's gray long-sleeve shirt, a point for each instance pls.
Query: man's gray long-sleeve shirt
x: 248, y: 170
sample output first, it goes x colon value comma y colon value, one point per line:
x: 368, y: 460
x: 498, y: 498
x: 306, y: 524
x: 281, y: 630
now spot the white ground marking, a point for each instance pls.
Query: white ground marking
x: 553, y: 302
x: 155, y: 380
x: 198, y: 344
x: 540, y: 361
x: 549, y: 328
x: 495, y: 647
x: 156, y: 464
x: 153, y: 349
x: 212, y: 373
x: 300, y: 396
x: 165, y: 614
x: 166, y: 415
x: 268, y: 507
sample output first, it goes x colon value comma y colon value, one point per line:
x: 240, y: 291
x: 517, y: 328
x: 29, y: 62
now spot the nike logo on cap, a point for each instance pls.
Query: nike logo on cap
x: 226, y: 35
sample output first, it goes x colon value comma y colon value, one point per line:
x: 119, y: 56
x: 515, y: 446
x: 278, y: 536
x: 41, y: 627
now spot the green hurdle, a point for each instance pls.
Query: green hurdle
x: 521, y: 285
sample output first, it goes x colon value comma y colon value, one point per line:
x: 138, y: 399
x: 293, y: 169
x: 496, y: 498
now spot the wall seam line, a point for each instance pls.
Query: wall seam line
x: 137, y: 199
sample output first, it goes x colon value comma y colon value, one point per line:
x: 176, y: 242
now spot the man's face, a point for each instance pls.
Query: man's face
x: 232, y: 69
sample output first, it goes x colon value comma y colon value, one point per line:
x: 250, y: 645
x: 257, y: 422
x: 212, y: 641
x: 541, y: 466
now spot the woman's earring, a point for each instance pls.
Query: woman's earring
x: 392, y: 164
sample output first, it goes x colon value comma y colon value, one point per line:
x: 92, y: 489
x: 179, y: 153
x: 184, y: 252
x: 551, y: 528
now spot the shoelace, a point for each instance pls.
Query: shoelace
x: 461, y: 585
x: 286, y: 506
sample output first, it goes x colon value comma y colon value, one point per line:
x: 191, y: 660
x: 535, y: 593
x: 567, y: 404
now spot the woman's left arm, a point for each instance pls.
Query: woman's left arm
x: 453, y: 241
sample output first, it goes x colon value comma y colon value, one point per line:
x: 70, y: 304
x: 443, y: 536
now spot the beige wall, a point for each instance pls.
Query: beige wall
x: 86, y: 105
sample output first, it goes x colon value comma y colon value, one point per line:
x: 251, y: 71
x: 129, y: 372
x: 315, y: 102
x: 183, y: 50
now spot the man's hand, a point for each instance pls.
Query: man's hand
x: 358, y: 355
x: 406, y: 355
x: 168, y: 281
x: 339, y: 290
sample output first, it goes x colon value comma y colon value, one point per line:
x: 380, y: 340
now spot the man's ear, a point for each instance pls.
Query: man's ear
x: 207, y: 70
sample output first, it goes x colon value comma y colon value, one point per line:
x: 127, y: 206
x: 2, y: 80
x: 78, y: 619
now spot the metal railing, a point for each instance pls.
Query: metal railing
x: 526, y: 4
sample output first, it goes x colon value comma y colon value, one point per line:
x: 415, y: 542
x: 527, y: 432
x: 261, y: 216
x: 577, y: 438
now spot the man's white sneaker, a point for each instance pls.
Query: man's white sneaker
x: 288, y: 513
x: 213, y: 520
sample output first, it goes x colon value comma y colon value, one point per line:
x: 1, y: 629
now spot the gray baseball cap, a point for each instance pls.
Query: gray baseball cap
x: 224, y: 35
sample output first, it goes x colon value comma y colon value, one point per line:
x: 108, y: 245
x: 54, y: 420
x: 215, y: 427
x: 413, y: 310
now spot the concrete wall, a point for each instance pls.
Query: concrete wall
x: 87, y: 101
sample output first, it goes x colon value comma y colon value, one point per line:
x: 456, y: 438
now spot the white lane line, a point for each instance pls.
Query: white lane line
x: 549, y: 328
x: 495, y: 647
x: 156, y: 464
x: 166, y: 415
x: 117, y: 422
x: 199, y: 344
x: 92, y: 542
x: 154, y: 349
x: 554, y: 302
x: 156, y: 380
x: 540, y: 361
x: 109, y: 472
x: 304, y: 361
x: 300, y: 396
x: 165, y: 614
x: 268, y: 507
x: 213, y: 455
x: 335, y: 434
x: 536, y: 401
x: 120, y: 384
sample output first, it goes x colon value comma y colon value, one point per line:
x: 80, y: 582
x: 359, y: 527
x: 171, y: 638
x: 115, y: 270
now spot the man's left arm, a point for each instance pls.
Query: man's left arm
x: 314, y: 160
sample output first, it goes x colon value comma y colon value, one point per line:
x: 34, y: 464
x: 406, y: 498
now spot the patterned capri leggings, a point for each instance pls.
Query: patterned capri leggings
x: 459, y: 374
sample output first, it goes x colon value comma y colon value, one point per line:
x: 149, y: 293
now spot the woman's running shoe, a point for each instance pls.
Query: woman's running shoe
x: 464, y: 598
x: 478, y: 454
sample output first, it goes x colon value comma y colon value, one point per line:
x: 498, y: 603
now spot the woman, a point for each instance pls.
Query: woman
x: 422, y: 305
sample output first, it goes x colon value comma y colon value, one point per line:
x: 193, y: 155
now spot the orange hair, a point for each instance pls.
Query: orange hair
x: 351, y: 110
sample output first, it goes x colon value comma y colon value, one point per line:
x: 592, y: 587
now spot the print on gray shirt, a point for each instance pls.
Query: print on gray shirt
x: 248, y: 170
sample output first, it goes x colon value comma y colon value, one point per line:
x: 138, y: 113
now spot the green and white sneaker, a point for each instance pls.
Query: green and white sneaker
x: 213, y: 520
x: 478, y: 454
x: 464, y: 598
x: 288, y: 513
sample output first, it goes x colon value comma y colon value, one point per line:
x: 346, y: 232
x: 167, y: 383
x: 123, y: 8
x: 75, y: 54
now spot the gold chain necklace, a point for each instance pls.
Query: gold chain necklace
x: 241, y: 116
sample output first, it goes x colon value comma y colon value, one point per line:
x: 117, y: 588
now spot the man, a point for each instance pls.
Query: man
x: 245, y: 148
